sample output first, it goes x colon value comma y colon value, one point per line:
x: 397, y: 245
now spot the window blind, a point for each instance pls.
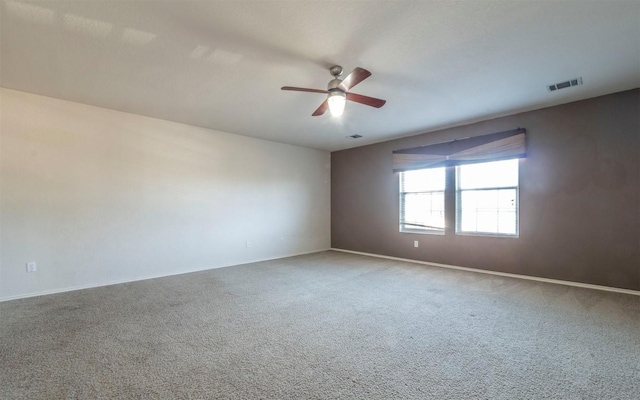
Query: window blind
x: 492, y: 147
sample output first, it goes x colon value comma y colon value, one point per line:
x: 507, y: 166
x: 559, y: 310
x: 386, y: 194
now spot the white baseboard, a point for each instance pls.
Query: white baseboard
x: 142, y: 278
x: 484, y: 271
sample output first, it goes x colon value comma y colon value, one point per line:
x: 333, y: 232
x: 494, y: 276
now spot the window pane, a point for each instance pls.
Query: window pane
x: 422, y: 180
x: 422, y: 211
x: 488, y: 175
x: 488, y: 211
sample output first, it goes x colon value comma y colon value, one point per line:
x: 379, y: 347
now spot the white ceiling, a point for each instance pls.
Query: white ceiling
x: 220, y: 64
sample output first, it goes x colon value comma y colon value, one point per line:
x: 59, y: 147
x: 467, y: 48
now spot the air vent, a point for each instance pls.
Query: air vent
x: 356, y: 136
x: 566, y: 84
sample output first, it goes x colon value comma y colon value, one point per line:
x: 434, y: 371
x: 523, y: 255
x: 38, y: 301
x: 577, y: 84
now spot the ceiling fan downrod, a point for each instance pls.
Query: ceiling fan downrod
x: 333, y: 85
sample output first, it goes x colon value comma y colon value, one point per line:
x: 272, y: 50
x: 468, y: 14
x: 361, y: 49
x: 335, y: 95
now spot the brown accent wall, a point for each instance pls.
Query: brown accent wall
x: 579, y: 197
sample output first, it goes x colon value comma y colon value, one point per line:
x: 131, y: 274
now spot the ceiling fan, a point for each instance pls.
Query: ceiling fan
x: 338, y: 91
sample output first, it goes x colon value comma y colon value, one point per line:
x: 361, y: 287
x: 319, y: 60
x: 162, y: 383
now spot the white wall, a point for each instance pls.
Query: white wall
x: 97, y: 196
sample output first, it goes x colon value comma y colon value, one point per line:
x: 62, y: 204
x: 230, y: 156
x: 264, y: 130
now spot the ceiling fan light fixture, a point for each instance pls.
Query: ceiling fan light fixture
x: 337, y: 100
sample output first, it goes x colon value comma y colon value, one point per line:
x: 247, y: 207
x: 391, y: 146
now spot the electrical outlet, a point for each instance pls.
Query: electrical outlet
x: 416, y: 244
x: 31, y: 266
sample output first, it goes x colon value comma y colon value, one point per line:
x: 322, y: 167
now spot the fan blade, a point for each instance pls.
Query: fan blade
x: 356, y: 76
x: 320, y: 110
x: 369, y: 101
x: 299, y: 89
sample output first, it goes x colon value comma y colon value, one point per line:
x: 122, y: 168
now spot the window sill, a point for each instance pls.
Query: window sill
x: 487, y: 234
x: 423, y: 231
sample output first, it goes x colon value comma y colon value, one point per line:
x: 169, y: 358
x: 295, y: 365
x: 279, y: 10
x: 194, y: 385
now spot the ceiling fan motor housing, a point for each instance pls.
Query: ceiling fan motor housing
x: 333, y: 85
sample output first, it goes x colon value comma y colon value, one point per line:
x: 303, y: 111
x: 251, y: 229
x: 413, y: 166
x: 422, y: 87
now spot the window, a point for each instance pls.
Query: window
x: 422, y: 201
x: 459, y: 185
x: 487, y: 198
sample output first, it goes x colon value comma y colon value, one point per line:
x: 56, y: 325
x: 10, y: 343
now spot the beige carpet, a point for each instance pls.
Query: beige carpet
x: 324, y: 326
